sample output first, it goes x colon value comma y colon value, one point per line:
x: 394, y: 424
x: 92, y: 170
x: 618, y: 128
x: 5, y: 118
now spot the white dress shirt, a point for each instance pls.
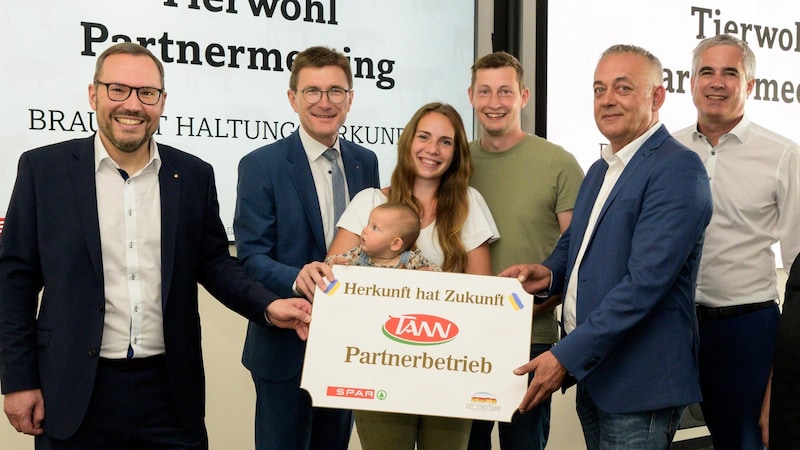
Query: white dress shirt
x: 616, y: 164
x: 129, y: 213
x: 755, y: 184
x: 323, y: 179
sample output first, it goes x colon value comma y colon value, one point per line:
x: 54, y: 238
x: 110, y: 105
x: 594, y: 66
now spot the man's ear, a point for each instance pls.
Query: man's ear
x: 659, y: 95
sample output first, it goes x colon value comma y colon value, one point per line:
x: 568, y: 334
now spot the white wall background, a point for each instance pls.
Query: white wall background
x: 404, y: 54
x: 579, y: 31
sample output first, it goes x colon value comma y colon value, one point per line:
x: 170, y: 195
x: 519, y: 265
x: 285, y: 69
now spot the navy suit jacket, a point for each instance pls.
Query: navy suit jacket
x: 51, y: 240
x: 636, y: 342
x: 278, y: 227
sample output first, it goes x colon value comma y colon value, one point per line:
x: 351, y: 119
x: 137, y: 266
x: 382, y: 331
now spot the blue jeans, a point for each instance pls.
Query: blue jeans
x: 649, y: 430
x: 527, y: 431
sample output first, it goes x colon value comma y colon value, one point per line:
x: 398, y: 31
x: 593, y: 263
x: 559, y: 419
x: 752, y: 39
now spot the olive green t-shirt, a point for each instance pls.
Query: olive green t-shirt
x: 525, y: 187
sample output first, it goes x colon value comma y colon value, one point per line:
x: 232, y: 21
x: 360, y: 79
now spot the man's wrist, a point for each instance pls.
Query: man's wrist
x: 541, y: 297
x: 266, y: 317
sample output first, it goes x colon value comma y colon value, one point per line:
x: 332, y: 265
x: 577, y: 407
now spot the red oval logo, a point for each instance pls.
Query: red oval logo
x: 420, y: 329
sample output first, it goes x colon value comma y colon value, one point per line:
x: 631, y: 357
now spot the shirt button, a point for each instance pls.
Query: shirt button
x: 92, y: 352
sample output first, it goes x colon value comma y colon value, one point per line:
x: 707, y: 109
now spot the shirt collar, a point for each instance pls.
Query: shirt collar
x: 314, y: 149
x: 625, y: 154
x: 740, y: 131
x: 101, y: 154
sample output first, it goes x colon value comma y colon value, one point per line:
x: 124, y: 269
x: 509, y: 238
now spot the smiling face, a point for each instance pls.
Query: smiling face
x: 322, y: 119
x: 626, y: 97
x: 126, y: 126
x: 433, y: 146
x: 720, y: 87
x: 498, y: 100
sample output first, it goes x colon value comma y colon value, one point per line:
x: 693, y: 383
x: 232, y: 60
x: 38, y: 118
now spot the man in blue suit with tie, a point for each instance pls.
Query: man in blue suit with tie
x: 627, y: 265
x: 115, y: 232
x: 289, y: 196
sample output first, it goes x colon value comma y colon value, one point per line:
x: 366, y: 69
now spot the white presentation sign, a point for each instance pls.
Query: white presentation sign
x: 419, y: 342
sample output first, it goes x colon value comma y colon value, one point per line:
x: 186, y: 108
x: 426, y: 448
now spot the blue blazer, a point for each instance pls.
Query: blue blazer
x: 51, y: 240
x: 636, y: 341
x: 278, y: 228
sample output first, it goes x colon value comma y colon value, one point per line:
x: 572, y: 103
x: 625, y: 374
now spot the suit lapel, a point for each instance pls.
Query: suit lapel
x: 82, y: 174
x: 303, y: 181
x: 580, y: 221
x: 169, y: 182
x: 653, y: 143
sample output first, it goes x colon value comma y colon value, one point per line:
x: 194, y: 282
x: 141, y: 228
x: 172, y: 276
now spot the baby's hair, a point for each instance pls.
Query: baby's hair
x: 408, y: 225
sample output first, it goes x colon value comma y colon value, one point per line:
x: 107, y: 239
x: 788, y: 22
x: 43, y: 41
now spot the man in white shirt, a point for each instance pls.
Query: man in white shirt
x: 115, y: 232
x: 627, y: 265
x: 755, y: 184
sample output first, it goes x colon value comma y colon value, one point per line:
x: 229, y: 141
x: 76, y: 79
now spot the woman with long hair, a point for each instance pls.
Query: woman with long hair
x: 432, y: 175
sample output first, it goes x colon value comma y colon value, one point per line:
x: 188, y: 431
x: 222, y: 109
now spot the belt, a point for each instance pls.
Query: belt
x: 709, y: 313
x: 135, y: 363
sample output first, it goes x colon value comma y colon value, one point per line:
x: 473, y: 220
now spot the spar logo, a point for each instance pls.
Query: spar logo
x: 420, y: 329
x: 351, y: 392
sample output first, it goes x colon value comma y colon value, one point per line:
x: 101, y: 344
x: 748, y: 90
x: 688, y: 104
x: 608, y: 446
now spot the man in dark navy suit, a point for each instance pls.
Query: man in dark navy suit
x: 782, y: 407
x: 285, y: 218
x: 627, y: 266
x: 115, y: 232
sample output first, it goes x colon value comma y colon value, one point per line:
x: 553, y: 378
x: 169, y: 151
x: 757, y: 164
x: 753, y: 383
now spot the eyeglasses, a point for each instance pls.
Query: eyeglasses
x: 120, y: 92
x: 335, y: 95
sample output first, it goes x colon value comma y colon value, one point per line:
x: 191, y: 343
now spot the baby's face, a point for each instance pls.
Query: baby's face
x: 376, y: 237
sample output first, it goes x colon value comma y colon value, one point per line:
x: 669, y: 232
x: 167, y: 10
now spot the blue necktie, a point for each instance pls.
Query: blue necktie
x: 338, y: 184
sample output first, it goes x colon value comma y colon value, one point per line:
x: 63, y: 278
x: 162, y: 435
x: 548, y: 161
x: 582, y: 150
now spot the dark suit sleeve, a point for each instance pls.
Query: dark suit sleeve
x: 256, y: 225
x: 675, y: 207
x: 20, y: 283
x: 557, y: 262
x: 224, y: 276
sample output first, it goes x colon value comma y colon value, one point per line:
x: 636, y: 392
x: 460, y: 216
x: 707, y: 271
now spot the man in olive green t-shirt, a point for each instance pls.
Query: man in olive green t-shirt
x: 530, y: 186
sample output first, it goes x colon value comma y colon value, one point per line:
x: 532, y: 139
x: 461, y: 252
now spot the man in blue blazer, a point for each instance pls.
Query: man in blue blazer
x: 116, y: 232
x: 627, y: 265
x: 285, y: 219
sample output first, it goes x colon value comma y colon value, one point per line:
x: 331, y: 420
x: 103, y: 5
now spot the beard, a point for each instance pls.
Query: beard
x: 126, y: 143
x: 129, y: 145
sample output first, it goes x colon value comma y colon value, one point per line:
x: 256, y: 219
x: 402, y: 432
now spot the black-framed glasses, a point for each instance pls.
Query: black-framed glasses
x: 335, y: 95
x: 119, y: 92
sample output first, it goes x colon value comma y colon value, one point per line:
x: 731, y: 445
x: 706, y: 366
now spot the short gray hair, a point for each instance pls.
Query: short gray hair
x: 657, y: 72
x: 748, y: 57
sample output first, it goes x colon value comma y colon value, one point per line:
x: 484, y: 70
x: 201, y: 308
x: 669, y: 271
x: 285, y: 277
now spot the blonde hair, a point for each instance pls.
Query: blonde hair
x: 452, y: 204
